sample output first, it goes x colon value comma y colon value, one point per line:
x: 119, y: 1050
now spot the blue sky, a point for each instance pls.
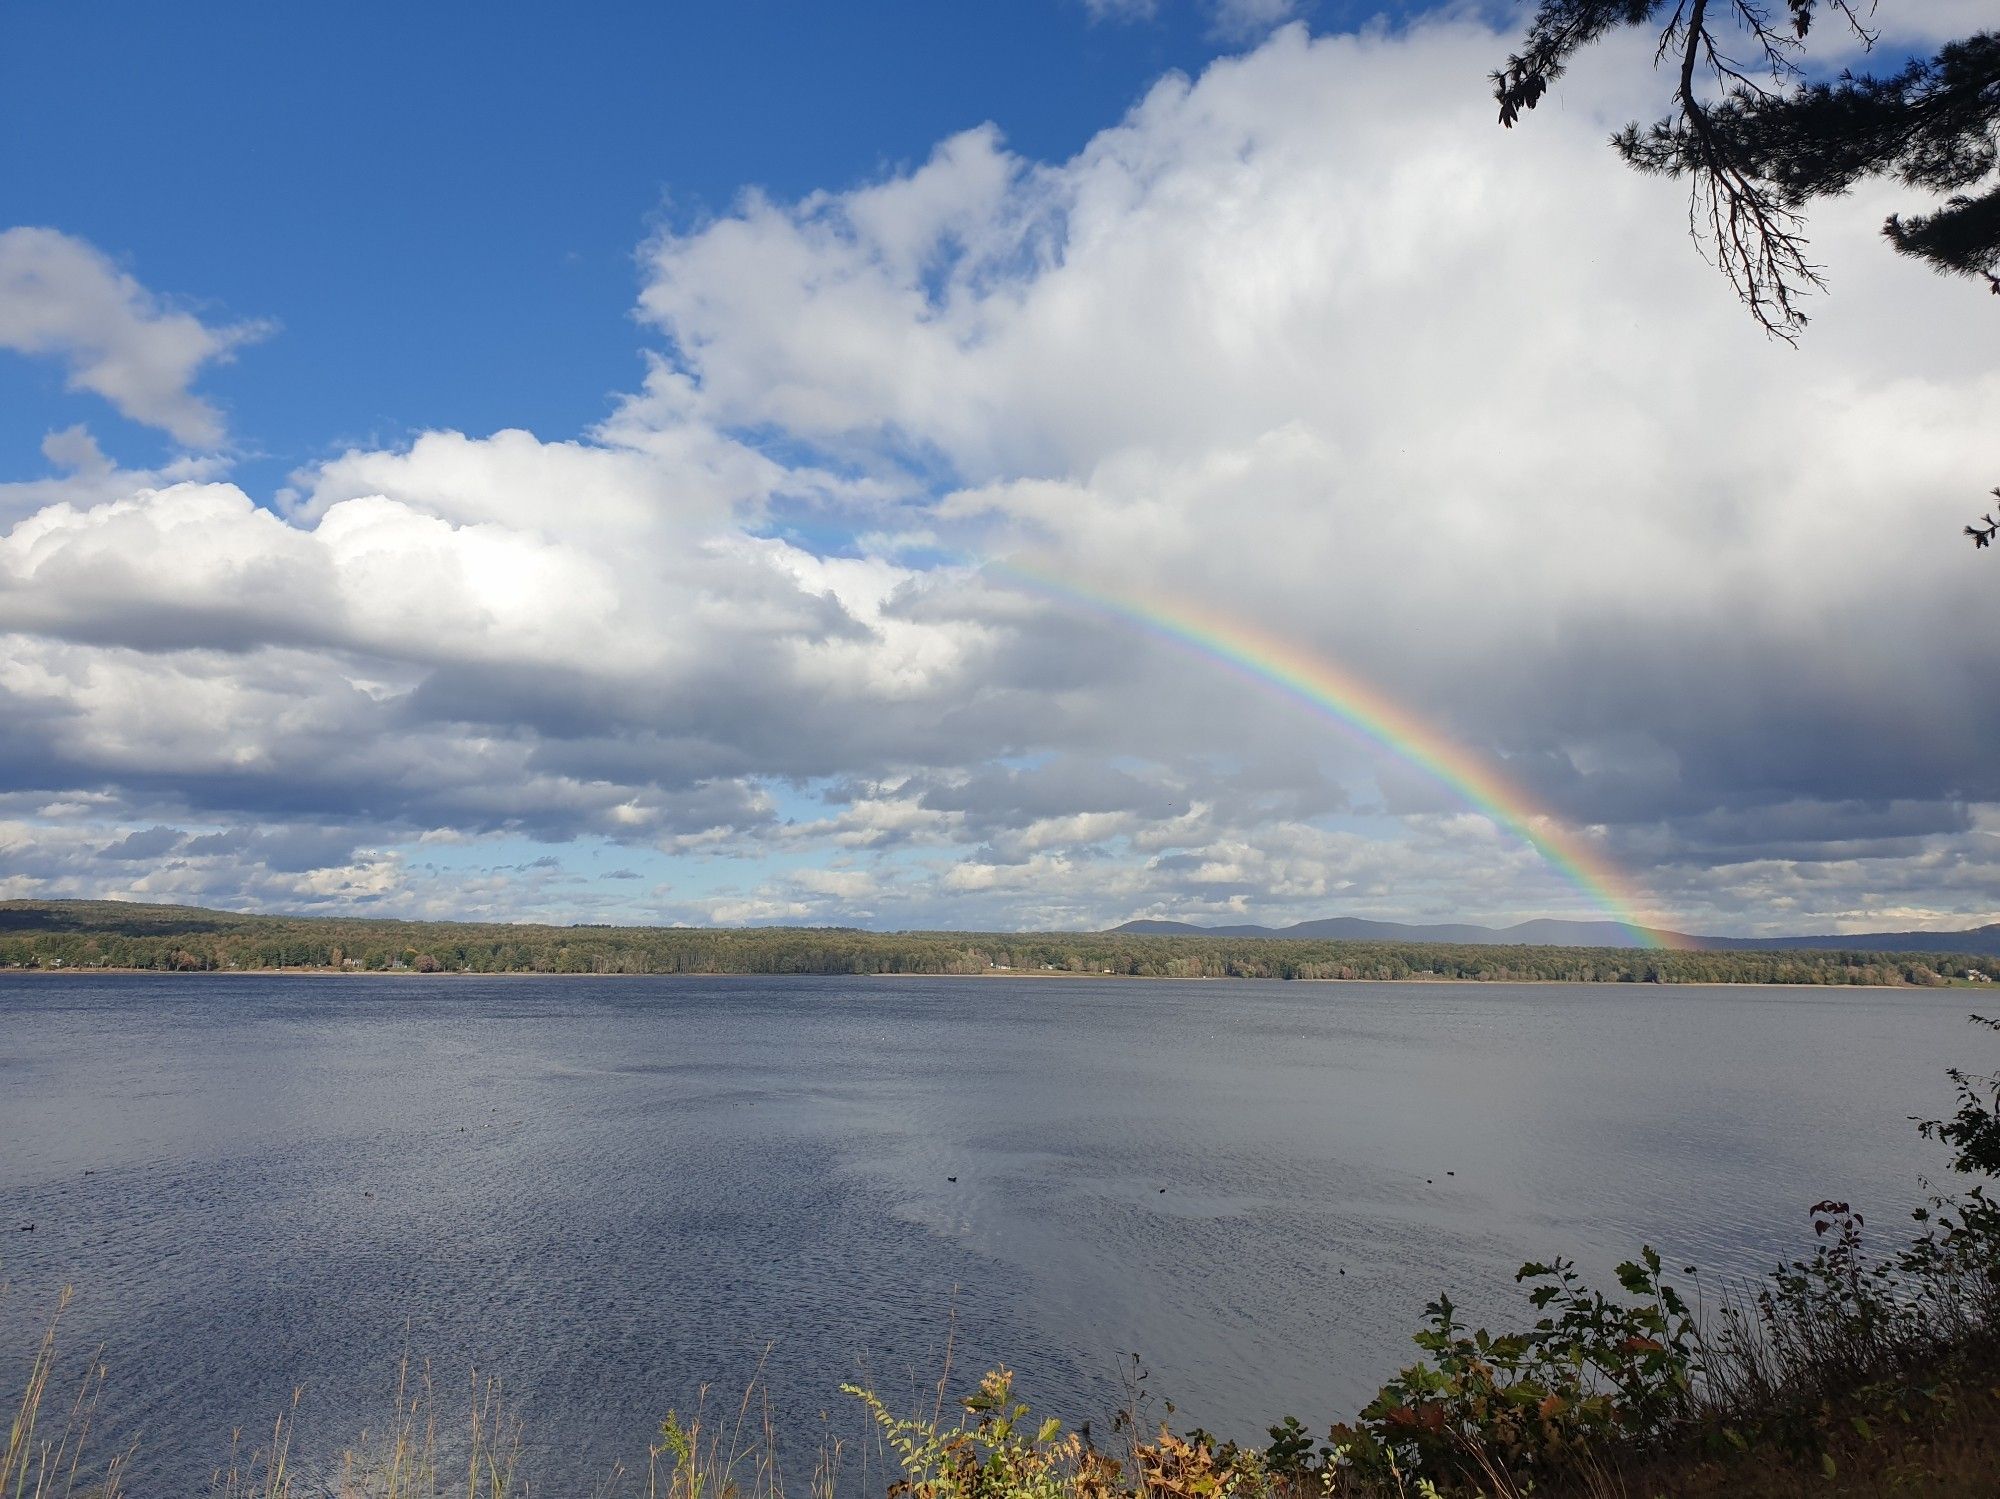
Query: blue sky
x: 496, y: 461
x: 467, y: 183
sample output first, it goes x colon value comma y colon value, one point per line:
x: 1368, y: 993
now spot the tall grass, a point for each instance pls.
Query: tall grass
x: 49, y: 1454
x: 734, y: 1455
x: 466, y: 1443
x: 425, y: 1448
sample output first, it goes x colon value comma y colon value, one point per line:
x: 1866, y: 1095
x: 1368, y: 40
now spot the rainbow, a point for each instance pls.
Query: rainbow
x: 1333, y: 692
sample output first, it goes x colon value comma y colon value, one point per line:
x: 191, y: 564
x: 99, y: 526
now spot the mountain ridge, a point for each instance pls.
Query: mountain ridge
x: 1550, y: 932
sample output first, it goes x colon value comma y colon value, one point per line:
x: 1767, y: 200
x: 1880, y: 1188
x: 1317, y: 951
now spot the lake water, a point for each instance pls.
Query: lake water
x: 610, y: 1191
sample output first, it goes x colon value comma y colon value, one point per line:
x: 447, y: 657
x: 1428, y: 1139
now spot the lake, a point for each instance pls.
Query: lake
x: 611, y: 1191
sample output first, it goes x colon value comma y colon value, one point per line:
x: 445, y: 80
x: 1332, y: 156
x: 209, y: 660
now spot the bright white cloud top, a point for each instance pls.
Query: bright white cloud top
x: 1304, y: 339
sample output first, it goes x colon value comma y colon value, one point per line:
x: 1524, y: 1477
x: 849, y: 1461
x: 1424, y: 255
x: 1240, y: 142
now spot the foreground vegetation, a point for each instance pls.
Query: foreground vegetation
x: 110, y: 934
x: 1846, y: 1371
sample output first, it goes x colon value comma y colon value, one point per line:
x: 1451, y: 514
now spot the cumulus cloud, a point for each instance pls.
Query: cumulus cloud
x: 1270, y: 305
x: 62, y: 297
x: 85, y: 476
x: 1305, y: 342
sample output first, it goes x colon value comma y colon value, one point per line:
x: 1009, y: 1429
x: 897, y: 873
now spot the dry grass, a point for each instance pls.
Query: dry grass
x: 732, y: 1455
x: 425, y: 1448
x: 1945, y: 1446
x: 466, y: 1442
x: 49, y: 1454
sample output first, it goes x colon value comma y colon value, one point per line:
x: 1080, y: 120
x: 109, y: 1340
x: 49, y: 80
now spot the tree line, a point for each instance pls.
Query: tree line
x: 108, y: 935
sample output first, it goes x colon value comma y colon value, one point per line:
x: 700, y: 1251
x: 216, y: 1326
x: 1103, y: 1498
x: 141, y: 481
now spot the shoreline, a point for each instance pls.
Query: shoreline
x: 1015, y: 973
x: 109, y: 936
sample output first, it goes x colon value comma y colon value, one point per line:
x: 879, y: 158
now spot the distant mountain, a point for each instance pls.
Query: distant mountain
x: 1548, y: 933
x: 1544, y: 933
x: 1984, y: 940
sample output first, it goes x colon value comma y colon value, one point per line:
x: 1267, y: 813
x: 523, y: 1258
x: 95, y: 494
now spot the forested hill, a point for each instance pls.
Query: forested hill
x: 1984, y: 939
x: 109, y: 934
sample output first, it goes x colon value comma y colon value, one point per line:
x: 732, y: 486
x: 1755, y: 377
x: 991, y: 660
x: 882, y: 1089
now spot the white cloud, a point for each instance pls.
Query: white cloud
x: 1307, y: 341
x: 86, y: 476
x: 60, y: 296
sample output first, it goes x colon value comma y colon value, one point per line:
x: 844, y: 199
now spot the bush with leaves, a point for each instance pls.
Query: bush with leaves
x: 1592, y: 1369
x: 994, y: 1455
